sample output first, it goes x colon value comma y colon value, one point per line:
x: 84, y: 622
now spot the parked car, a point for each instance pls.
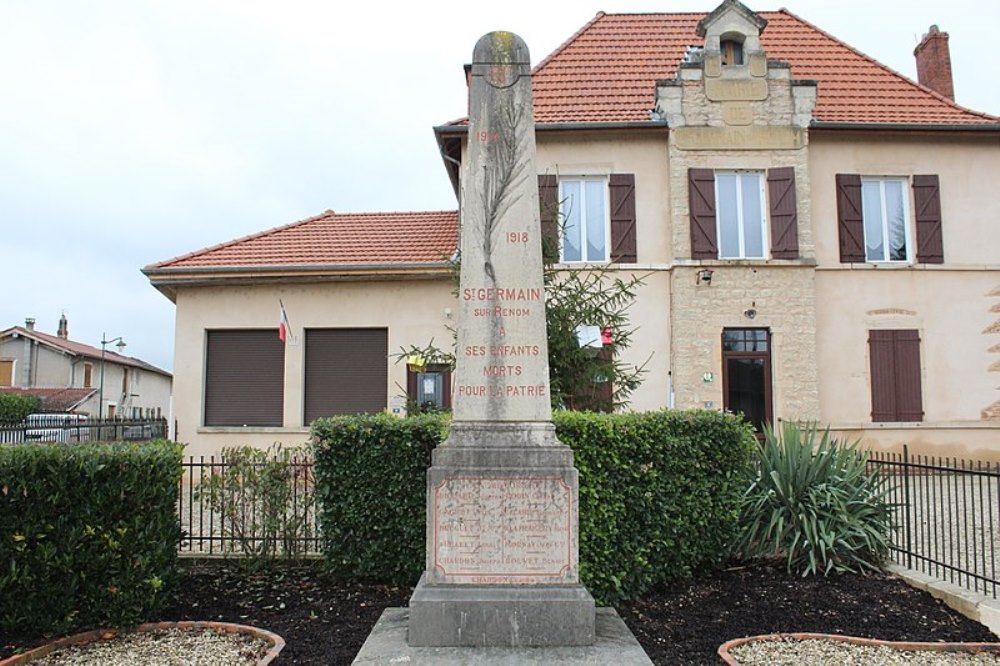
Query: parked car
x: 56, y: 427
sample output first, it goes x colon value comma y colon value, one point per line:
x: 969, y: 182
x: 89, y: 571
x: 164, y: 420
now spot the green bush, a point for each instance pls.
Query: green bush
x: 659, y: 494
x: 265, y: 502
x: 370, y: 493
x: 88, y: 534
x: 14, y: 407
x: 815, y: 504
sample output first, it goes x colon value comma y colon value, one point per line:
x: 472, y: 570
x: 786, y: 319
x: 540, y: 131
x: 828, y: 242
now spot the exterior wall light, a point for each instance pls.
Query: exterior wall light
x: 705, y: 276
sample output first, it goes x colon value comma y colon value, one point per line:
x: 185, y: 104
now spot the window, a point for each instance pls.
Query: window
x: 894, y: 356
x: 584, y: 212
x: 429, y: 389
x: 346, y: 371
x: 739, y: 197
x: 732, y: 52
x: 244, y: 378
x: 884, y: 213
x: 746, y: 374
x: 88, y: 375
x: 874, y: 219
x: 732, y: 217
x: 554, y: 208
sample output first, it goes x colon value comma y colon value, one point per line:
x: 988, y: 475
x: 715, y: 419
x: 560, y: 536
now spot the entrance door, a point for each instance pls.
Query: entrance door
x: 746, y: 374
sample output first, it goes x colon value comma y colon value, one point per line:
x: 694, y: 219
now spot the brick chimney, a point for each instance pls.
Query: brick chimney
x: 63, y: 331
x: 934, y: 62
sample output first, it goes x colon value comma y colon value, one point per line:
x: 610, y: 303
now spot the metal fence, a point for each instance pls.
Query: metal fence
x: 241, y: 509
x: 947, y: 517
x: 63, y: 428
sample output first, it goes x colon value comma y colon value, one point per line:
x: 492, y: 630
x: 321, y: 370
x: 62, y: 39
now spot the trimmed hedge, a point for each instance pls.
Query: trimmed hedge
x: 370, y: 478
x: 88, y: 534
x: 659, y: 494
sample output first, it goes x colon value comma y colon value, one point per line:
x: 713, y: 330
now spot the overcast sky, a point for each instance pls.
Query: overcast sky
x: 133, y: 131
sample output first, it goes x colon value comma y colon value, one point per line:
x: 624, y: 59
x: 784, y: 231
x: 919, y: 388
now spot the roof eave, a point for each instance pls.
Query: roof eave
x: 906, y: 127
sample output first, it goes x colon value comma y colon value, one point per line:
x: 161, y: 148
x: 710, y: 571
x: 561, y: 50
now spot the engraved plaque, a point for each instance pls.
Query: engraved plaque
x: 724, y: 90
x: 502, y: 530
x: 737, y: 113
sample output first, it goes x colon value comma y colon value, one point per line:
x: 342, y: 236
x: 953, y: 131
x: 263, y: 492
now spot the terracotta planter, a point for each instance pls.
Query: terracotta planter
x: 276, y: 642
x: 898, y: 645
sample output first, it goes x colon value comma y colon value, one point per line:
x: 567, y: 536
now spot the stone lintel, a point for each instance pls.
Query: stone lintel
x: 738, y: 138
x: 509, y: 616
x: 501, y: 458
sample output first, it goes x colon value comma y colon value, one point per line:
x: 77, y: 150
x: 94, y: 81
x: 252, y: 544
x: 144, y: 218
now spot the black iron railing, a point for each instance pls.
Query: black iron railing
x: 63, y: 428
x: 947, y: 517
x: 265, y: 509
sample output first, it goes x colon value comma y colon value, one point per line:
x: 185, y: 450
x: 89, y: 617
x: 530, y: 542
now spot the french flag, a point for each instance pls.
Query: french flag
x: 283, y: 325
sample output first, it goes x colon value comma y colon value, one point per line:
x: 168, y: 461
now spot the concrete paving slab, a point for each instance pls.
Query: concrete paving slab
x: 615, y: 644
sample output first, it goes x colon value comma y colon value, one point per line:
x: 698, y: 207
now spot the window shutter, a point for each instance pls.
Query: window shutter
x: 927, y: 202
x: 346, y: 371
x: 895, y: 375
x: 701, y: 203
x: 548, y: 209
x: 622, y: 194
x: 909, y: 402
x: 850, y: 220
x: 244, y: 378
x: 784, y: 213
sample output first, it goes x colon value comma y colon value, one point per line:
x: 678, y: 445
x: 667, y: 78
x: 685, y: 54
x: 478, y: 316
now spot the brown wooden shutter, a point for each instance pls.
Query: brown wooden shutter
x: 7, y: 373
x: 784, y: 213
x: 548, y: 209
x: 346, y: 371
x: 701, y: 203
x: 244, y: 378
x: 622, y: 194
x: 895, y: 375
x: 927, y: 202
x: 909, y: 400
x: 850, y: 219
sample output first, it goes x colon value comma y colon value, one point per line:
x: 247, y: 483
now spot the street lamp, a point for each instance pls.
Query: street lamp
x: 104, y: 343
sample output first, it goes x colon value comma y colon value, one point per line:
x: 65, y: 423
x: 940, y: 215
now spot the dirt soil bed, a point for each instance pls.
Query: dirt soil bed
x: 324, y: 622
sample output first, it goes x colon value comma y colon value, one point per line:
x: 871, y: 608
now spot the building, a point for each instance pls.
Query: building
x: 69, y: 376
x: 817, y: 234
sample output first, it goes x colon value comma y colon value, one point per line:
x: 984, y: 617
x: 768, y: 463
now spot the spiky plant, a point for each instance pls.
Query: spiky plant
x: 812, y: 500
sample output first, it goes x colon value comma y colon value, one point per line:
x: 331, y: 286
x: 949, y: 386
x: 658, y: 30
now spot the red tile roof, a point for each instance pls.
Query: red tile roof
x: 607, y: 72
x: 80, y: 349
x: 55, y: 400
x: 333, y: 240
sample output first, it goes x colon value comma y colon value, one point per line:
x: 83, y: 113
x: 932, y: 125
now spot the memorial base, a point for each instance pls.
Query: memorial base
x: 500, y: 615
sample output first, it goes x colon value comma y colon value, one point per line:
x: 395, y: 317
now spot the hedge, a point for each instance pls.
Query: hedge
x: 659, y: 494
x: 88, y: 534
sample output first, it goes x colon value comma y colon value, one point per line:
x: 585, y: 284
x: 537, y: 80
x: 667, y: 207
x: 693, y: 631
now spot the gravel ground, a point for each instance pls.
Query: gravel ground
x: 171, y: 647
x: 819, y: 652
x: 953, y: 519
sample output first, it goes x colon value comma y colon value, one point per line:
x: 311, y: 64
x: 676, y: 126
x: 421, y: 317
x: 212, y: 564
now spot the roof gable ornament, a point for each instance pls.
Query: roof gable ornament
x: 731, y: 7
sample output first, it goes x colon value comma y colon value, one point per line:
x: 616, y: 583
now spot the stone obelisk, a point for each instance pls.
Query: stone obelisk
x: 502, y: 520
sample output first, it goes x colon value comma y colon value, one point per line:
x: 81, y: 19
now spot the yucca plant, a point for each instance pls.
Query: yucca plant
x: 812, y: 501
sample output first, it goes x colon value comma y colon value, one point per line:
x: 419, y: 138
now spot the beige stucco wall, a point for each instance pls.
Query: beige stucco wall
x: 952, y: 305
x: 641, y: 154
x: 414, y: 311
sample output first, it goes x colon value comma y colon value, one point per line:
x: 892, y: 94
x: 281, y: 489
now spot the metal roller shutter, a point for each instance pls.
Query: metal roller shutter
x: 244, y: 378
x: 346, y: 371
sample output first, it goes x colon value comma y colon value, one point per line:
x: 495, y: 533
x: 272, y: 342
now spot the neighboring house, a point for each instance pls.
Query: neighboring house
x: 818, y: 234
x: 66, y: 375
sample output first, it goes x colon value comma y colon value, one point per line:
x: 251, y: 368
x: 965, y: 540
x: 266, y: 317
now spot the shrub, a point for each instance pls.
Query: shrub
x: 88, y: 534
x: 14, y: 407
x: 265, y: 501
x: 659, y: 494
x: 815, y: 504
x: 370, y: 493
